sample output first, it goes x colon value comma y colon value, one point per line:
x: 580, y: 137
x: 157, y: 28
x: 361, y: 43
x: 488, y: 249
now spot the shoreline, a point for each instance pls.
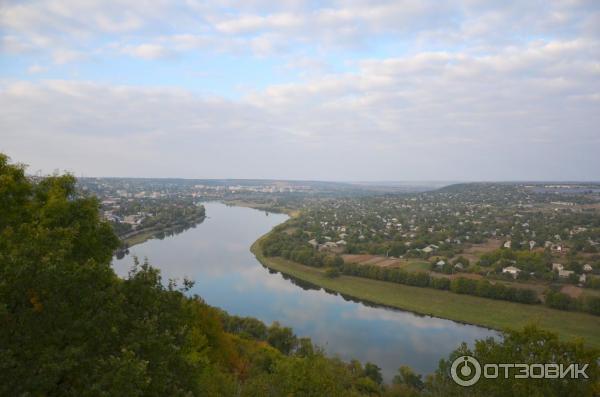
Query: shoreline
x: 464, y: 309
x: 144, y: 235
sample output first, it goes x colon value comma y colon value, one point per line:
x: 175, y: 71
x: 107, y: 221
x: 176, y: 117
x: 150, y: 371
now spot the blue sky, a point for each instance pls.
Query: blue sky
x: 333, y: 90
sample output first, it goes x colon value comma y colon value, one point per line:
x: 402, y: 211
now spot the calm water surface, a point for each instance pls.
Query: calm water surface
x: 215, y: 254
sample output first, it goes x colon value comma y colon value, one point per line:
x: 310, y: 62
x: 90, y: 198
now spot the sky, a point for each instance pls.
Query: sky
x: 347, y: 90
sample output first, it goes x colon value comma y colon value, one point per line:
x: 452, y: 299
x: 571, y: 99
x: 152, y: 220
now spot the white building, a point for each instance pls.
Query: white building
x: 565, y: 273
x: 512, y: 270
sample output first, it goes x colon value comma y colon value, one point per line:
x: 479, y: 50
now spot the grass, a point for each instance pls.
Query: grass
x: 488, y: 313
x: 140, y: 238
x: 415, y: 266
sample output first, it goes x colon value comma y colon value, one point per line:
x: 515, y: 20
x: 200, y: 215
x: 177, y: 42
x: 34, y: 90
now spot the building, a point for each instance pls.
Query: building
x: 565, y: 273
x: 430, y: 248
x: 512, y: 270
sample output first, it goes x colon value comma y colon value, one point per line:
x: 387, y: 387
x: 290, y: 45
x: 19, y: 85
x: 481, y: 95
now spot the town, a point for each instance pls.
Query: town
x: 538, y: 238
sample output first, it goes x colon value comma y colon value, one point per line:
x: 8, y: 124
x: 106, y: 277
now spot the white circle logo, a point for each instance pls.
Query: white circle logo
x: 469, y: 372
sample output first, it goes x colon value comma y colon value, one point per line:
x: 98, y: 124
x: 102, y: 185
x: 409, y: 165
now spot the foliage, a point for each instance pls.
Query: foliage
x: 459, y: 285
x: 70, y: 326
x: 528, y: 346
x: 332, y: 272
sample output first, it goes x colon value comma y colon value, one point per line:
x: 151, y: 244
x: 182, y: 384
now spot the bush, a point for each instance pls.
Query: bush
x: 332, y: 272
x: 558, y: 300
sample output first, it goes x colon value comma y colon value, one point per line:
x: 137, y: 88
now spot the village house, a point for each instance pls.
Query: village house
x: 330, y: 246
x: 587, y: 267
x: 565, y: 273
x: 558, y: 249
x: 512, y: 270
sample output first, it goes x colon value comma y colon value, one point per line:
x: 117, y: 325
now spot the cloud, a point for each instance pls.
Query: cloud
x: 520, y: 113
x: 287, y: 26
x: 341, y: 89
x: 34, y: 69
x: 147, y: 51
x: 253, y: 23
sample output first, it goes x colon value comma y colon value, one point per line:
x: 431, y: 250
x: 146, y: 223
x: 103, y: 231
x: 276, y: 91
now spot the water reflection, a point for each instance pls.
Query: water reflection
x: 216, y: 255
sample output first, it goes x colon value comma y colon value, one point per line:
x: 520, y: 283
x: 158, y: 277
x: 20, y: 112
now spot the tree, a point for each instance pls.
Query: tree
x: 528, y: 346
x: 332, y: 272
x: 282, y: 338
x: 338, y: 261
x: 373, y: 372
x: 68, y: 325
x: 406, y: 376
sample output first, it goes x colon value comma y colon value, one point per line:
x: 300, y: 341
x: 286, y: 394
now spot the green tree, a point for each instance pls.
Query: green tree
x: 373, y: 372
x: 282, y: 338
x: 528, y: 346
x: 406, y: 376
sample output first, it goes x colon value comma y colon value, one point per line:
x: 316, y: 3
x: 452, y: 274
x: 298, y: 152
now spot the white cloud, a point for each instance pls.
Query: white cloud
x: 433, y: 115
x: 253, y: 23
x: 62, y: 55
x: 147, y: 51
x: 34, y: 69
x: 429, y: 89
x: 266, y: 26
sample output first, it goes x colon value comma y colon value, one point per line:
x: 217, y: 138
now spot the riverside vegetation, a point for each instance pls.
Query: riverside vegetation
x: 506, y: 242
x: 70, y: 327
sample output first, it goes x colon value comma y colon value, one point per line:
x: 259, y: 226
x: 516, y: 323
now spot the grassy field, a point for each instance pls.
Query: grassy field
x: 463, y: 308
x: 416, y: 266
x: 140, y: 238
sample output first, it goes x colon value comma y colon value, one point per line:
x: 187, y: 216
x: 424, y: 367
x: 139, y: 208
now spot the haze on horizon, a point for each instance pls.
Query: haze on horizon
x: 297, y: 90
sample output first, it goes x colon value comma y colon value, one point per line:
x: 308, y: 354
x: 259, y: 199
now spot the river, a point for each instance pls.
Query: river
x: 215, y: 254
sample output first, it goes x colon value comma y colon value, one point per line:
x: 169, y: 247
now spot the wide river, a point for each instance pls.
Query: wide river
x: 216, y: 255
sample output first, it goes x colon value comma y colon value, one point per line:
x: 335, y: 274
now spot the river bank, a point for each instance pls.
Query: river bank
x: 493, y: 314
x: 141, y: 236
x: 227, y: 275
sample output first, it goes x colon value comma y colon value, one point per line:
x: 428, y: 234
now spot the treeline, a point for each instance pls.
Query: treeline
x: 460, y: 285
x: 561, y: 301
x: 526, y: 260
x: 293, y: 247
x: 161, y: 215
x: 280, y: 337
x: 283, y: 244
